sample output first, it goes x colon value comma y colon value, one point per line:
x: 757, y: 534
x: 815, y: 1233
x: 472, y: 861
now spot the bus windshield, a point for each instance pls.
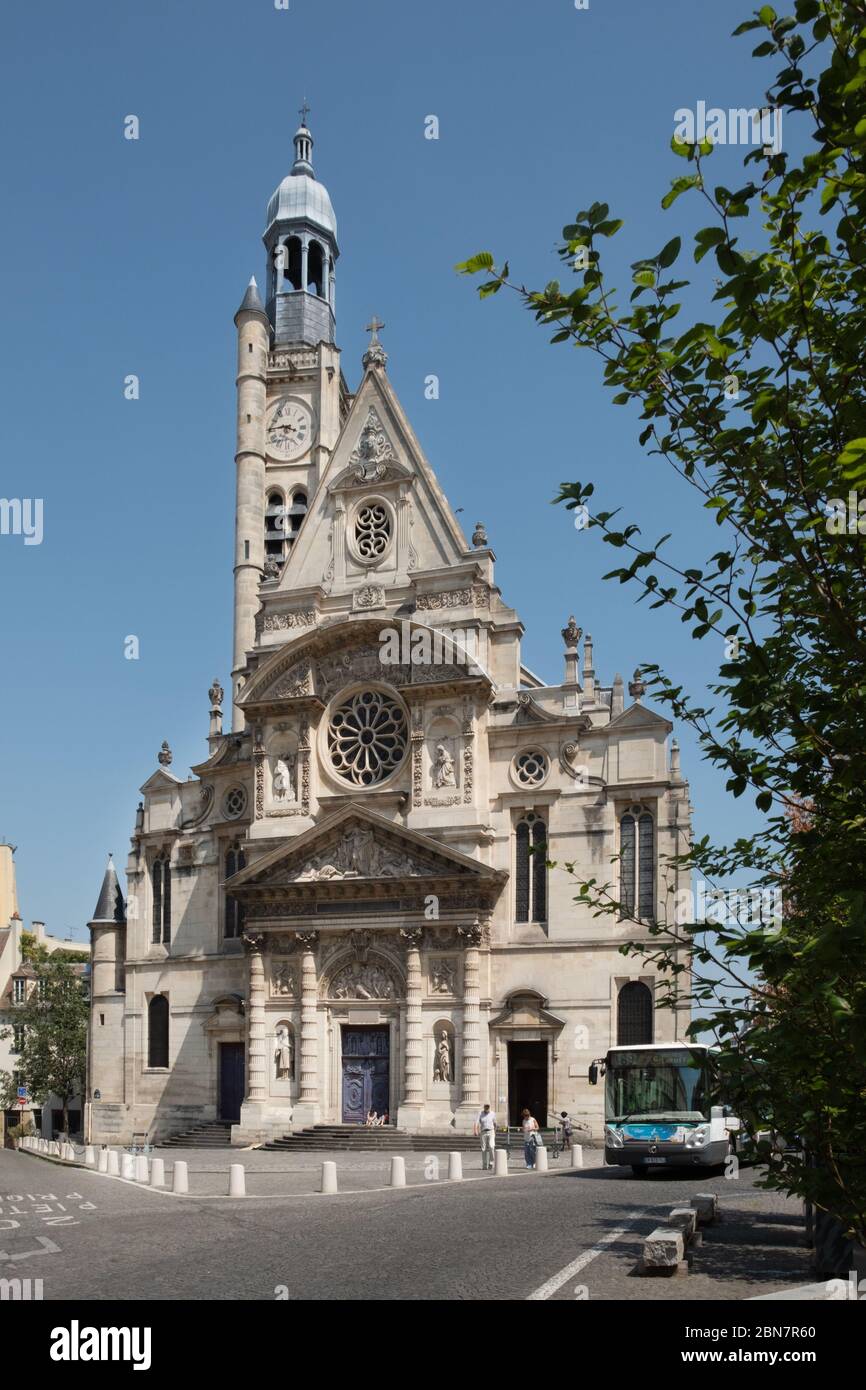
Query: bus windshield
x: 665, y: 1085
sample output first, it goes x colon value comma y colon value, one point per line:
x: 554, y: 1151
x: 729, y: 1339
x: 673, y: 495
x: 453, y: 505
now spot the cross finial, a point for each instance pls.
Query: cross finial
x: 373, y: 327
x: 304, y: 112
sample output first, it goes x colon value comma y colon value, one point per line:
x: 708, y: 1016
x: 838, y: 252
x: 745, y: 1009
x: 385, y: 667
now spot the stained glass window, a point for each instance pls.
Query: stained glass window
x: 634, y: 1014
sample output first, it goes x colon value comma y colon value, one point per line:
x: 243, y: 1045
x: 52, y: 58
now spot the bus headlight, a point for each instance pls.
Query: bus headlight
x: 614, y: 1137
x: 698, y: 1137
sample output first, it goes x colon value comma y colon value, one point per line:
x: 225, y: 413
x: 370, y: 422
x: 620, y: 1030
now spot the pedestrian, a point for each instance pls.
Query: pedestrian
x: 529, y: 1126
x: 485, y: 1128
x: 566, y: 1127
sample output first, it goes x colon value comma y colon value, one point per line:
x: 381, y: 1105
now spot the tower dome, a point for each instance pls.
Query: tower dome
x: 301, y: 241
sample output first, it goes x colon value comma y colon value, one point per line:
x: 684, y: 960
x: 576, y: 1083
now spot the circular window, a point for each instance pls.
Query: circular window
x: 372, y: 530
x: 234, y: 803
x: 367, y: 737
x: 530, y: 768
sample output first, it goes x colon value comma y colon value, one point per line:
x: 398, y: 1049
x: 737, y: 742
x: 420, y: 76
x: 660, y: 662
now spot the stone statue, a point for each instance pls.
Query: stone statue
x: 443, y: 1055
x: 284, y: 776
x: 358, y: 981
x: 285, y: 1054
x: 443, y: 768
x: 443, y: 977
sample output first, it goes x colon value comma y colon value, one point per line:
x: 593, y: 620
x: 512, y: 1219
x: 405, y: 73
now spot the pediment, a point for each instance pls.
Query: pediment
x: 638, y: 717
x: 160, y: 781
x: 373, y: 459
x: 526, y: 1010
x: 357, y: 846
x: 318, y: 665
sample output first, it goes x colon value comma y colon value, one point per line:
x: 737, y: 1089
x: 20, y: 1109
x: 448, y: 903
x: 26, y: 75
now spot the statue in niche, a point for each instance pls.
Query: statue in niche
x: 284, y: 981
x: 443, y: 977
x: 284, y: 777
x: 442, y: 1070
x: 443, y: 768
x: 285, y: 1053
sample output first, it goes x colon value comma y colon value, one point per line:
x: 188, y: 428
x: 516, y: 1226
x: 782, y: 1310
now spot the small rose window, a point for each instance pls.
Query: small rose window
x: 367, y: 737
x: 530, y: 768
x: 372, y: 530
x: 234, y: 803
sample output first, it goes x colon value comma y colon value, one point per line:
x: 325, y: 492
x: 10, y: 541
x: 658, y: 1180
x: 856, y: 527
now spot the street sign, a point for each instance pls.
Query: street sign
x: 22, y: 1092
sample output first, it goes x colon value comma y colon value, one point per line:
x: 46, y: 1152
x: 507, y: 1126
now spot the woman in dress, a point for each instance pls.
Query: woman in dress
x: 530, y: 1129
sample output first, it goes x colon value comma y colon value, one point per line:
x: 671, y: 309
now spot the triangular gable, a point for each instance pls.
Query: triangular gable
x: 356, y: 845
x: 638, y: 717
x: 377, y: 441
x: 160, y: 781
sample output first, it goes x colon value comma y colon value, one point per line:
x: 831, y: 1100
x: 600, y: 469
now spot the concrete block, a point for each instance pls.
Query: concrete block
x: 398, y: 1171
x: 142, y: 1167
x: 157, y: 1173
x: 455, y: 1167
x: 684, y: 1219
x: 577, y: 1156
x: 663, y: 1248
x: 329, y: 1177
x: 127, y: 1167
x: 90, y: 1156
x: 102, y: 1161
x: 500, y: 1163
x: 180, y: 1177
x: 113, y: 1163
x: 706, y: 1207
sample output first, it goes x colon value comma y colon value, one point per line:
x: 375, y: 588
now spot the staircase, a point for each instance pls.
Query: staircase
x: 387, y: 1138
x: 216, y: 1134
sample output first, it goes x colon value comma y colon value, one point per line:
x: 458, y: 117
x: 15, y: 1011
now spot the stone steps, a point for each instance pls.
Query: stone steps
x: 216, y: 1134
x: 360, y: 1139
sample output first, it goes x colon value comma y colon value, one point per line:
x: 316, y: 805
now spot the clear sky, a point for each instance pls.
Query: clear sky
x: 122, y: 257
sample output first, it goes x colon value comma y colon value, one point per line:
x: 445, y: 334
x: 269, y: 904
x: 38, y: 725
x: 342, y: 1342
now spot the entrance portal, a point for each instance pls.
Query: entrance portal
x: 366, y: 1081
x: 231, y: 1064
x: 527, y: 1081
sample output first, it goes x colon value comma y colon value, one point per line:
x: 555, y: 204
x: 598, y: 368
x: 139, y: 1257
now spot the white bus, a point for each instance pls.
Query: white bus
x: 662, y: 1107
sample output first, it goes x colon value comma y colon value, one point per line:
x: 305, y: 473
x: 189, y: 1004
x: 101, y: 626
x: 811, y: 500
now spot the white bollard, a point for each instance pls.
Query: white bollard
x: 237, y: 1182
x: 157, y: 1173
x: 329, y: 1177
x: 113, y: 1163
x: 398, y: 1171
x: 500, y: 1163
x: 102, y: 1161
x: 55, y: 1148
x: 577, y: 1156
x: 69, y: 1153
x: 142, y: 1168
x: 89, y: 1157
x: 127, y: 1167
x: 455, y: 1167
x: 180, y: 1177
x: 541, y: 1159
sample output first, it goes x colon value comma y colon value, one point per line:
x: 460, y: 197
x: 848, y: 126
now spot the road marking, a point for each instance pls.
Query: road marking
x: 553, y: 1285
x: 50, y: 1249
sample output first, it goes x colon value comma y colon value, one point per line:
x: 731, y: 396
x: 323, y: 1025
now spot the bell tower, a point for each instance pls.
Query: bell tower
x: 291, y: 395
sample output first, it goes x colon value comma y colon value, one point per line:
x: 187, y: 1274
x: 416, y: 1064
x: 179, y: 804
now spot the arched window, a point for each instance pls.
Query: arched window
x: 157, y: 1031
x: 634, y: 1014
x: 161, y: 882
x: 294, y: 517
x: 530, y: 877
x: 234, y: 914
x: 292, y: 264
x: 276, y: 523
x: 316, y: 269
x: 637, y: 864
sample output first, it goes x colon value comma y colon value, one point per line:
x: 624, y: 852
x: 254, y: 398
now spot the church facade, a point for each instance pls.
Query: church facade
x: 358, y: 901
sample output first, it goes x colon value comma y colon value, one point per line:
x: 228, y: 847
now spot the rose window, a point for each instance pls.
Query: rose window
x: 531, y: 768
x: 235, y: 803
x: 367, y: 738
x: 372, y: 531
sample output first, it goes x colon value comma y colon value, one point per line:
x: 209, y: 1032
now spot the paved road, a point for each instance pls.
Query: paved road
x: 567, y: 1235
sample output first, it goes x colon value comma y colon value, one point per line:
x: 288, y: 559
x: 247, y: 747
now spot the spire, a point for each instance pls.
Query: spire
x: 110, y: 907
x: 252, y: 299
x: 303, y: 145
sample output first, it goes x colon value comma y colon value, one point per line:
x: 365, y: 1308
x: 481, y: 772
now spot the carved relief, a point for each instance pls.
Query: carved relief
x: 454, y: 598
x: 283, y: 981
x: 368, y: 596
x: 373, y: 452
x: 357, y: 981
x: 297, y: 681
x: 357, y: 855
x: 281, y: 622
x: 443, y: 976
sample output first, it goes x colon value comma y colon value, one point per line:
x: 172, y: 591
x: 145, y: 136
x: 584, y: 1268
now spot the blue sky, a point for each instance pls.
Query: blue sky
x: 122, y: 257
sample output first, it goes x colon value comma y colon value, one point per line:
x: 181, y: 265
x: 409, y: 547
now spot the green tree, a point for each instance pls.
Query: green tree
x: 53, y: 1054
x: 760, y: 413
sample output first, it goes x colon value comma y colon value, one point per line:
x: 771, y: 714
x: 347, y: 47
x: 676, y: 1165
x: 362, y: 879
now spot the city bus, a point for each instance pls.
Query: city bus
x: 662, y: 1107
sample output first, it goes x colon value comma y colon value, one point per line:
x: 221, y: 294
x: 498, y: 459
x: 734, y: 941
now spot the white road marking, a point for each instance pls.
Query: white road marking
x: 50, y: 1249
x: 553, y: 1285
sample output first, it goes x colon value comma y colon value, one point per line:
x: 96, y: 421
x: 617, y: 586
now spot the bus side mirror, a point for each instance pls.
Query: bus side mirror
x: 593, y: 1074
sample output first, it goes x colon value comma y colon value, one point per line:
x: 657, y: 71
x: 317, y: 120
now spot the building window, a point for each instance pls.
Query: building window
x: 634, y: 1015
x: 531, y: 870
x: 275, y: 527
x: 42, y: 989
x: 637, y: 864
x: 17, y: 1038
x: 291, y: 262
x: 531, y: 768
x: 316, y: 269
x: 367, y: 737
x: 372, y: 531
x: 19, y: 990
x: 161, y: 881
x: 157, y: 1031
x: 233, y: 918
x: 294, y: 517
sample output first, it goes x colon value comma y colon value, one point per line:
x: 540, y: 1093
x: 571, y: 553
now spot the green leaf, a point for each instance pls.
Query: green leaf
x: 669, y: 253
x: 482, y: 261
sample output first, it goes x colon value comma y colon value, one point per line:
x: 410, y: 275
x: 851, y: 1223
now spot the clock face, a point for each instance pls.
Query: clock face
x: 290, y: 431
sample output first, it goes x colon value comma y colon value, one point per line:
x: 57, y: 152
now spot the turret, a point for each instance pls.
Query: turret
x: 107, y: 931
x: 251, y: 322
x: 301, y: 242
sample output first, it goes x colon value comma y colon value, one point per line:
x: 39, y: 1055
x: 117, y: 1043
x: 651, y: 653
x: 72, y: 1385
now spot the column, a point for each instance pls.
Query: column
x: 470, y: 1079
x: 411, y: 1108
x: 257, y: 1072
x: 307, y: 1110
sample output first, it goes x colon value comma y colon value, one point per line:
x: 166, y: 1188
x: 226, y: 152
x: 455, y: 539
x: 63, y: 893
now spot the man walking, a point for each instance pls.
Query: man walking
x: 485, y: 1127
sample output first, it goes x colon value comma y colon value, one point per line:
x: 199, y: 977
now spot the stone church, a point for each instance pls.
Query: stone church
x: 358, y: 901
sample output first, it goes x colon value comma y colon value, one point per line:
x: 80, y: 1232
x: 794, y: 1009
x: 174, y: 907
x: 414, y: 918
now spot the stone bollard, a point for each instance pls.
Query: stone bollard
x: 102, y: 1161
x: 54, y: 1149
x: 684, y: 1219
x: 142, y: 1173
x: 329, y: 1177
x: 69, y: 1153
x: 706, y: 1207
x: 663, y: 1248
x: 113, y: 1163
x: 541, y: 1159
x: 500, y: 1163
x: 398, y: 1172
x: 237, y: 1183
x: 577, y: 1156
x: 180, y: 1177
x: 127, y: 1167
x: 455, y: 1167
x: 89, y: 1157
x: 157, y: 1173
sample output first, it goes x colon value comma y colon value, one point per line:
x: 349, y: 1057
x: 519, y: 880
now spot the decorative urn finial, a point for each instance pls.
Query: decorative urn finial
x: 571, y: 633
x: 637, y: 686
x: 216, y: 693
x: 479, y: 535
x: 165, y: 755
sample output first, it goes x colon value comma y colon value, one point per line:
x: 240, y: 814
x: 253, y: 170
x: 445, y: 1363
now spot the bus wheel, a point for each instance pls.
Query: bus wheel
x: 638, y: 1170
